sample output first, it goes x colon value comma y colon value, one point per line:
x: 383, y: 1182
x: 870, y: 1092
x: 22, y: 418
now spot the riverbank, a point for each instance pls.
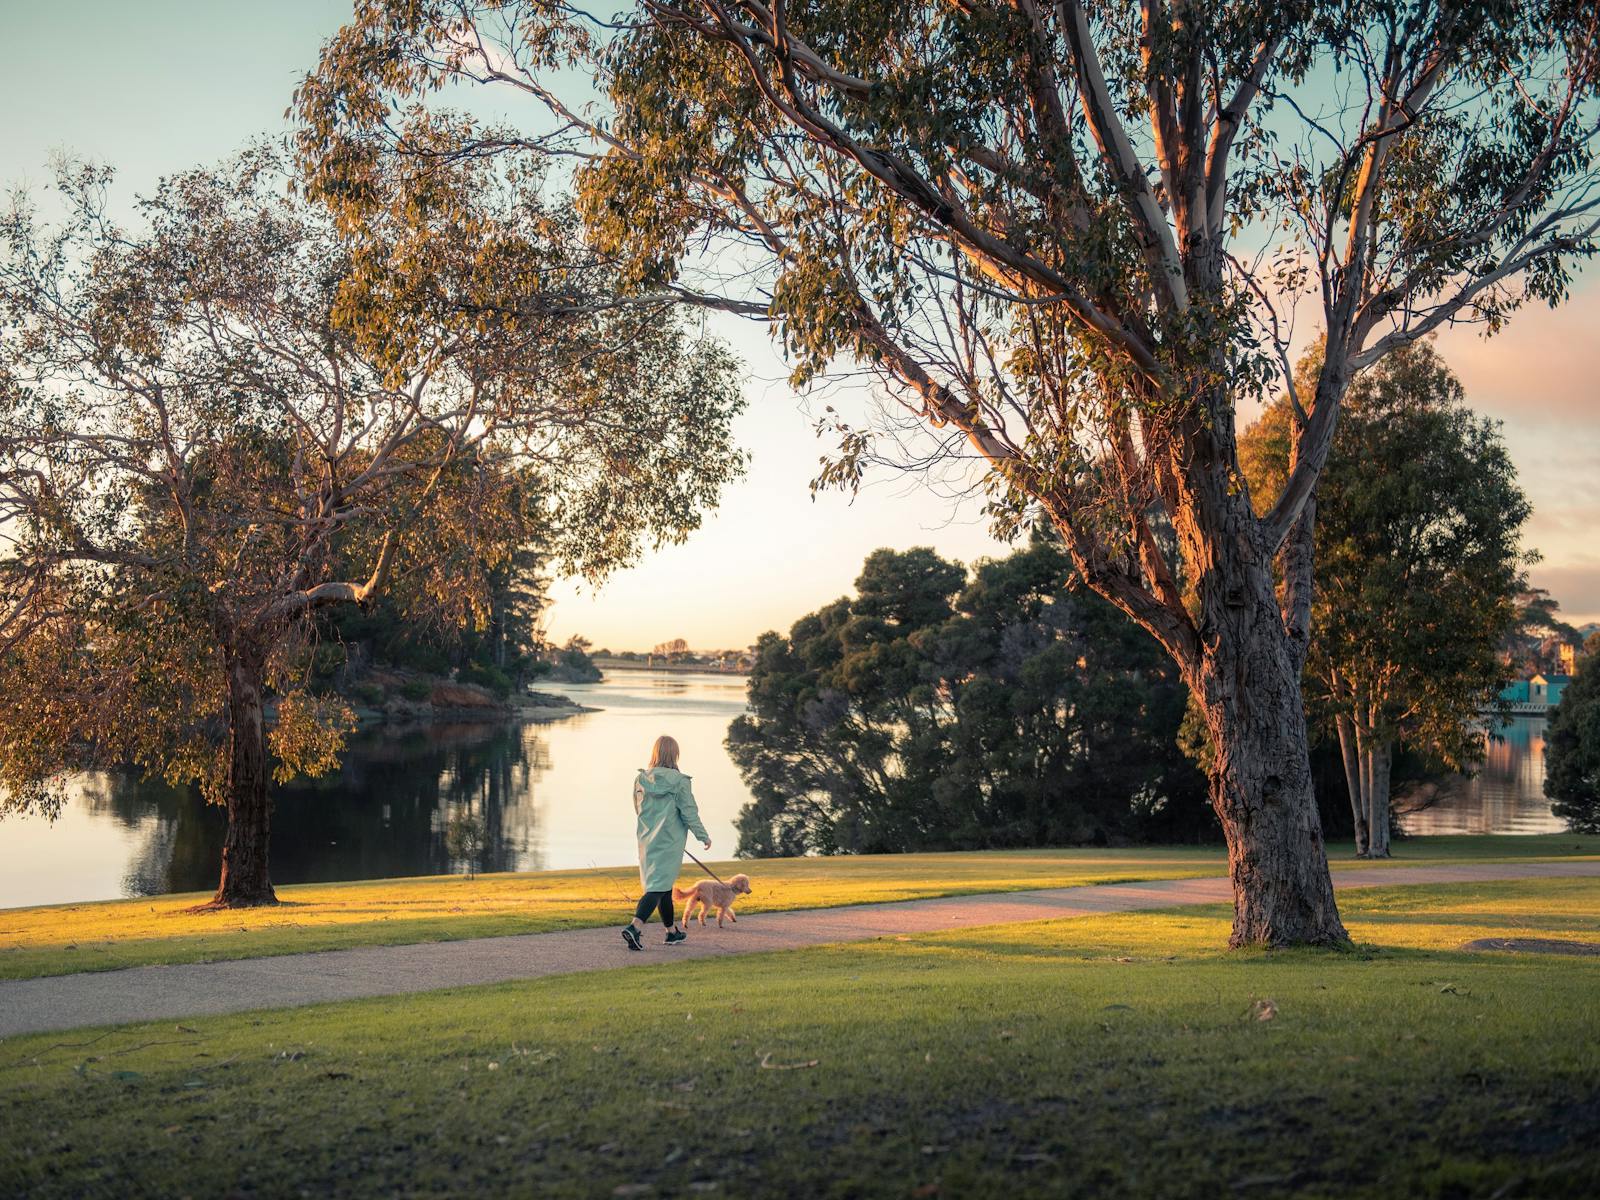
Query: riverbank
x: 62, y: 939
x: 395, y: 696
x: 1120, y: 1056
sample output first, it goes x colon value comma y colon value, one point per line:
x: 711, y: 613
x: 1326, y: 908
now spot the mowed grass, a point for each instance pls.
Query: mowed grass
x: 63, y: 939
x: 1116, y: 1056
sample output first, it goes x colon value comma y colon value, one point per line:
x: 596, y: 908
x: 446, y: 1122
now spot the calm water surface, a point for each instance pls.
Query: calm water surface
x: 1505, y: 796
x: 552, y: 794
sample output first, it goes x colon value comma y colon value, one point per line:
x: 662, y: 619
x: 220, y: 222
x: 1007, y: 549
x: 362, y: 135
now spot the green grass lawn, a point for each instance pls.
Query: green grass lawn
x: 62, y: 939
x: 1116, y: 1056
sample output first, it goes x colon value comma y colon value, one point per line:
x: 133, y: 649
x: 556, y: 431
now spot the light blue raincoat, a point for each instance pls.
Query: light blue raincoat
x: 667, y: 815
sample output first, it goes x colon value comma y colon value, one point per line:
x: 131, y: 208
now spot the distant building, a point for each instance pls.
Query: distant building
x: 1545, y: 690
x: 1567, y: 658
x: 1517, y: 693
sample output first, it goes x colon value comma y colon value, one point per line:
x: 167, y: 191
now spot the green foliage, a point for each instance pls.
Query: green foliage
x: 309, y: 735
x: 416, y: 690
x: 235, y: 415
x: 1572, y: 746
x: 573, y: 664
x: 484, y: 676
x: 370, y: 694
x: 934, y: 710
x: 1418, y: 524
x: 465, y: 837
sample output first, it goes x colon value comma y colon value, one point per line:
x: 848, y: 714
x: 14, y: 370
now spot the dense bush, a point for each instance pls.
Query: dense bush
x: 370, y: 694
x: 934, y: 710
x: 496, y: 680
x: 1572, y: 746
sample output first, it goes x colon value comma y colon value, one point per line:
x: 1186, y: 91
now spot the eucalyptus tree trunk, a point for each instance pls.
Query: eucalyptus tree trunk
x: 1377, y: 771
x: 1352, y: 779
x: 1261, y: 788
x: 246, y: 882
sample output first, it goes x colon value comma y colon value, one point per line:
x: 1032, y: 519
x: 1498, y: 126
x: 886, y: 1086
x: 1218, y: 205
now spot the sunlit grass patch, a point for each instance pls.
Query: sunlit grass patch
x: 1118, y: 1055
x: 101, y: 936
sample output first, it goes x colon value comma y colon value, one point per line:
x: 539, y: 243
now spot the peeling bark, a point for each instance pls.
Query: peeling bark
x: 1249, y: 687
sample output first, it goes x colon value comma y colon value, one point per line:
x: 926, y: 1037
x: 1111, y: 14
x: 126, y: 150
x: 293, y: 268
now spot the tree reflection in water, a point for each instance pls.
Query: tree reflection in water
x: 382, y: 815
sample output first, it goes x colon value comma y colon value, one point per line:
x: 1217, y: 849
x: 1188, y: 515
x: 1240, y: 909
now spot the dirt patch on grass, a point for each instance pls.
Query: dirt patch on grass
x: 1533, y: 946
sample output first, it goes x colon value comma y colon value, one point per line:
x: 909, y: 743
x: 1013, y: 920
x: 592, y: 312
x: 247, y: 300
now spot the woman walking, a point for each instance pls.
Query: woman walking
x: 665, y: 806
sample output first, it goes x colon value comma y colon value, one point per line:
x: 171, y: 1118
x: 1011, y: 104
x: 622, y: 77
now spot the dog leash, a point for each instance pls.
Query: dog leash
x: 704, y: 868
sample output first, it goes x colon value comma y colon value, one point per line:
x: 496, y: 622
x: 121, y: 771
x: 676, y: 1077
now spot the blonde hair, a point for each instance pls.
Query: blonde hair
x: 665, y: 752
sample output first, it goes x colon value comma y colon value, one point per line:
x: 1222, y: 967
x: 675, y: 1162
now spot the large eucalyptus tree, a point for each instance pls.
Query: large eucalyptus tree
x: 1075, y: 236
x: 223, y: 417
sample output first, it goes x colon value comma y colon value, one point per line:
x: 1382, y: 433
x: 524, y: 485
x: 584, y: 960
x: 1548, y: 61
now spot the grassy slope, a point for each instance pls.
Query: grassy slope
x: 101, y: 936
x: 1108, y: 1056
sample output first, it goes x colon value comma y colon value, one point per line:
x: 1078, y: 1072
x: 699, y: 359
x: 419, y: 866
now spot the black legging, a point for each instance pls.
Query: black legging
x: 648, y: 904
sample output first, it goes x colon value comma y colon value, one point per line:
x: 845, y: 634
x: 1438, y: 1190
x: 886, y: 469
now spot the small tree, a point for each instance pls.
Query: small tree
x: 217, y: 425
x: 1068, y: 238
x: 465, y: 839
x: 1572, y: 746
x: 1419, y: 517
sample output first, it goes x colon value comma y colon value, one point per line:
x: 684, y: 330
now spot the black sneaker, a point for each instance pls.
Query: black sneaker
x: 674, y: 936
x: 631, y: 936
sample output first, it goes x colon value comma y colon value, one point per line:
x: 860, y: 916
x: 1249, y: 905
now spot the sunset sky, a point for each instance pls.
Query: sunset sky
x: 164, y: 85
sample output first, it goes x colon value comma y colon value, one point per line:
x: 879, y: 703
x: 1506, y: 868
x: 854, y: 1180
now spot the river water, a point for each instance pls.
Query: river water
x: 552, y: 795
x: 1506, y: 795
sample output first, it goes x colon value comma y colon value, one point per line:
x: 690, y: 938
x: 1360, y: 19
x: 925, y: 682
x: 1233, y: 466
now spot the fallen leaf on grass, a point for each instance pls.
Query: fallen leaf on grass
x: 1263, y: 1010
x: 768, y: 1065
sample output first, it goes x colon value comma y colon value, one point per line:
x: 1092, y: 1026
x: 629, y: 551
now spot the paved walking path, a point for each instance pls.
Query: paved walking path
x: 200, y: 989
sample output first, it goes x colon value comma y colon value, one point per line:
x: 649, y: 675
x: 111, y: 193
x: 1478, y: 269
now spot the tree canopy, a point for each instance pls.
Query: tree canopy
x: 222, y: 420
x: 1418, y: 573
x: 937, y: 710
x: 1071, y: 240
x: 1572, y: 746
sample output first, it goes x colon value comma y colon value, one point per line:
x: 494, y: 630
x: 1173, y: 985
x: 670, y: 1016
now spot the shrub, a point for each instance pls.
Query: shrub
x: 370, y: 694
x: 496, y: 680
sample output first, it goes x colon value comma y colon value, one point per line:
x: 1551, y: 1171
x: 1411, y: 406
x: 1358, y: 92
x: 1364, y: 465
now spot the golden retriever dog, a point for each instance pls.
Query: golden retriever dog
x: 708, y: 893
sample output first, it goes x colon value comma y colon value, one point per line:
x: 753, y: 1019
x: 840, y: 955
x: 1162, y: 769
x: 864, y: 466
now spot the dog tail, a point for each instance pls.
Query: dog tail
x: 681, y: 894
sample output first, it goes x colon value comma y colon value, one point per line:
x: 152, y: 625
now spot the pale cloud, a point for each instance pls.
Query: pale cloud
x: 1575, y: 585
x: 1544, y: 366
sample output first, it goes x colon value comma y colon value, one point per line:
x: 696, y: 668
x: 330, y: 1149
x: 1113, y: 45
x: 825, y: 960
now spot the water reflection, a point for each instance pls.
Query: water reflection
x: 550, y: 796
x: 383, y: 814
x: 1505, y: 796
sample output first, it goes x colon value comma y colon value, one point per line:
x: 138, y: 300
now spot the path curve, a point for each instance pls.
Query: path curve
x: 285, y: 981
